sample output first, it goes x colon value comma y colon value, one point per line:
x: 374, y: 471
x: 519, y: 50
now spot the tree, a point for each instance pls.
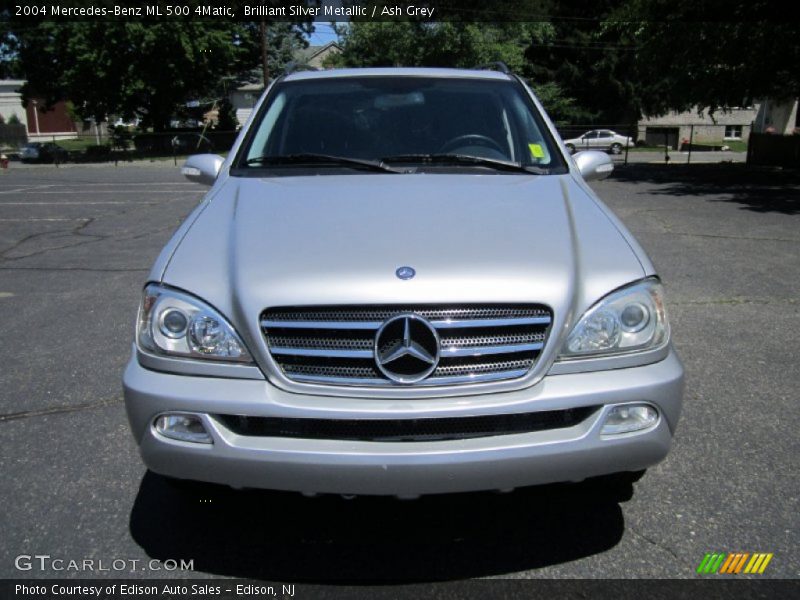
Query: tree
x: 226, y: 121
x: 685, y: 56
x: 126, y: 67
x: 449, y: 44
x: 284, y: 39
x: 590, y: 62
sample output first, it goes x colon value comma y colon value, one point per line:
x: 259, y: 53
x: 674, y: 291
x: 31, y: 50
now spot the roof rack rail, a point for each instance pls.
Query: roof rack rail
x: 293, y: 67
x: 498, y: 65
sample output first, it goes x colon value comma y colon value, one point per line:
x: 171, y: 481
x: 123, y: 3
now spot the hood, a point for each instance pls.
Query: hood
x: 338, y: 239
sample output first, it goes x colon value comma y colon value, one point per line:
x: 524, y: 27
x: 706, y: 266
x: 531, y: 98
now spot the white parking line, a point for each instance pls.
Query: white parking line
x: 46, y: 219
x: 106, y: 192
x: 26, y: 189
x: 75, y: 203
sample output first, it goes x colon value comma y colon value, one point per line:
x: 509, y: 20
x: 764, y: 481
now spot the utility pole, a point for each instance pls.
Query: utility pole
x: 262, y: 27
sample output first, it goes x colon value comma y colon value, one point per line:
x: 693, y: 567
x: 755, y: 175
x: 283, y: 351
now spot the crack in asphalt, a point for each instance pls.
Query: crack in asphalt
x: 73, y: 231
x: 58, y: 410
x: 78, y: 231
x: 655, y: 543
x: 733, y: 301
x: 731, y: 237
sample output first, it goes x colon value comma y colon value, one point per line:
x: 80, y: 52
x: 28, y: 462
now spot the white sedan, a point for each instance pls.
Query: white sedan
x: 599, y: 139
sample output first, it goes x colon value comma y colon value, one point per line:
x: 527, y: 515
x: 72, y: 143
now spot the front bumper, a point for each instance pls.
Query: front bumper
x: 403, y: 468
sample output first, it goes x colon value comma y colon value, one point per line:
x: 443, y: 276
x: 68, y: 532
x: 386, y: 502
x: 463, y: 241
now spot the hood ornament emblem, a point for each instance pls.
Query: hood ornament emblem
x: 405, y: 273
x: 406, y: 348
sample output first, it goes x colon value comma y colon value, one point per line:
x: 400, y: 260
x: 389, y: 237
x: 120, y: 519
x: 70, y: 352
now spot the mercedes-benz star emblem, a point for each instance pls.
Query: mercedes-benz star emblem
x: 405, y: 272
x: 406, y: 348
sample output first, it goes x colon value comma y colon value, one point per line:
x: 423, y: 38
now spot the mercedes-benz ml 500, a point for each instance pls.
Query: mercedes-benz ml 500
x: 400, y: 283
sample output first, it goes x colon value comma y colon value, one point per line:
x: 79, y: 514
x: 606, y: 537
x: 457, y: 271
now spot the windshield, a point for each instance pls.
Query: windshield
x: 434, y: 123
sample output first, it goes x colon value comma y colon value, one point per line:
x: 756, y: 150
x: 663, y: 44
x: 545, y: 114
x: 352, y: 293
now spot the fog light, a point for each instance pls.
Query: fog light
x: 631, y: 417
x: 186, y: 428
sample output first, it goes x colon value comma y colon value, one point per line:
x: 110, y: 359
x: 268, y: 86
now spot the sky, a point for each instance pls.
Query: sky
x: 323, y: 33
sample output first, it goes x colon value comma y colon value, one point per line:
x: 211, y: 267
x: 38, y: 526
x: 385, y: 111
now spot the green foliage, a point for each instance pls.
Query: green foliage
x: 284, y: 39
x: 685, y: 56
x: 13, y: 119
x: 150, y: 69
x: 226, y: 119
x: 125, y: 67
x: 450, y: 44
x: 560, y: 107
x: 121, y: 137
x: 590, y: 62
x: 446, y: 44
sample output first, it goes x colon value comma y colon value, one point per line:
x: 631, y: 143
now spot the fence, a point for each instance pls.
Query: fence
x: 649, y: 141
x: 638, y: 142
x: 117, y: 145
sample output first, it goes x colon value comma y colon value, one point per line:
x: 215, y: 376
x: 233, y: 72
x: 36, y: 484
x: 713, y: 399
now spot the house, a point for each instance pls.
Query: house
x: 11, y: 100
x: 726, y: 125
x: 50, y: 124
x: 244, y: 97
x: 314, y: 56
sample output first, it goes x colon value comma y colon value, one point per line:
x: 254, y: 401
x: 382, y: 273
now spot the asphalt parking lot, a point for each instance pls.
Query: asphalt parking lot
x: 75, y: 246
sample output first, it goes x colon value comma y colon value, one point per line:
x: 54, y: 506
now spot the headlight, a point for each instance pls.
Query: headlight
x: 177, y: 324
x: 628, y: 320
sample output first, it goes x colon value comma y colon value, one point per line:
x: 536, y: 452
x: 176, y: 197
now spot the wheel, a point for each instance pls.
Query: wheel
x: 571, y: 148
x: 616, y: 148
x: 481, y: 140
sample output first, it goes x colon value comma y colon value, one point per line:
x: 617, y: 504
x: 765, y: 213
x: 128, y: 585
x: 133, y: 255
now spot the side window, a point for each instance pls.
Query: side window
x: 605, y: 134
x: 260, y: 141
x: 590, y: 135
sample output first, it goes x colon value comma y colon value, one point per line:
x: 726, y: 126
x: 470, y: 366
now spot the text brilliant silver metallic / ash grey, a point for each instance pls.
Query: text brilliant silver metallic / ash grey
x: 400, y: 283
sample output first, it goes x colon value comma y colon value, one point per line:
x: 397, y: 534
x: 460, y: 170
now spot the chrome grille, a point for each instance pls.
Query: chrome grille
x: 335, y: 345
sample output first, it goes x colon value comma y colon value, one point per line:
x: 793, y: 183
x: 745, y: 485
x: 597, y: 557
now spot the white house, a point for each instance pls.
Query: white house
x: 731, y: 124
x: 11, y: 100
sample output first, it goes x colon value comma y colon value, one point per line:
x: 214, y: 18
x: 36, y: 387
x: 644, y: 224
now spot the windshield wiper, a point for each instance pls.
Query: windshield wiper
x: 325, y: 159
x: 505, y: 165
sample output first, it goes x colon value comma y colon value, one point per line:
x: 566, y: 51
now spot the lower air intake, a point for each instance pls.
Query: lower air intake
x: 406, y: 430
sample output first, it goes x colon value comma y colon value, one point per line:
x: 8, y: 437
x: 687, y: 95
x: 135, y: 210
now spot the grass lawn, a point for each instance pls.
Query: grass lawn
x: 78, y: 145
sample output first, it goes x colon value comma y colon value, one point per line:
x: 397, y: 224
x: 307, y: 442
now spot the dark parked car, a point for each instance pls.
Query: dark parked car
x: 43, y: 152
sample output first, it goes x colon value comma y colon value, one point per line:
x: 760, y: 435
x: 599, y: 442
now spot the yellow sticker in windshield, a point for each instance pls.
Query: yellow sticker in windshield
x: 536, y: 150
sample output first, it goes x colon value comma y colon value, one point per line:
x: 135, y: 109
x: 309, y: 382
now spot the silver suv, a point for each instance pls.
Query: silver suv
x: 400, y: 283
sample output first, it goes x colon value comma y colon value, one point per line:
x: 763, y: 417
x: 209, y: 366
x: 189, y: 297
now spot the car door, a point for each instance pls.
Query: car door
x: 589, y: 140
x: 604, y: 139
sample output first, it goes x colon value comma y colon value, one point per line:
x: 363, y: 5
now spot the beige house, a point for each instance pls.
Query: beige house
x: 732, y: 124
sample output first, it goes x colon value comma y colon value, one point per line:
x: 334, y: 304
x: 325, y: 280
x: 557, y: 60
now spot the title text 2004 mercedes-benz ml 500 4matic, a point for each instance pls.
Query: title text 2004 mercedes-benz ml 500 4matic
x: 400, y: 283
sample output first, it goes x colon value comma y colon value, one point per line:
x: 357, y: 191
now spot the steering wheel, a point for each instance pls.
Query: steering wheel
x: 476, y: 138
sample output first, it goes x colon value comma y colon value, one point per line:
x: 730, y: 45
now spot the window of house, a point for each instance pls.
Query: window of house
x: 733, y: 132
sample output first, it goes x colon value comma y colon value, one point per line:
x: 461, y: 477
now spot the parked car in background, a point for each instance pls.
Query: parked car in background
x: 46, y: 152
x: 599, y: 139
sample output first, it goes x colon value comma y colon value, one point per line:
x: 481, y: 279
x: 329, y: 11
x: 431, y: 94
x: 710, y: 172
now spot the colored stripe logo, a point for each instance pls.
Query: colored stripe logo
x: 734, y: 563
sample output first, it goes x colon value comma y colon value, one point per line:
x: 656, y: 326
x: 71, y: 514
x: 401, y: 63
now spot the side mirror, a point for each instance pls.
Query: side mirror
x: 202, y: 168
x: 593, y: 165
